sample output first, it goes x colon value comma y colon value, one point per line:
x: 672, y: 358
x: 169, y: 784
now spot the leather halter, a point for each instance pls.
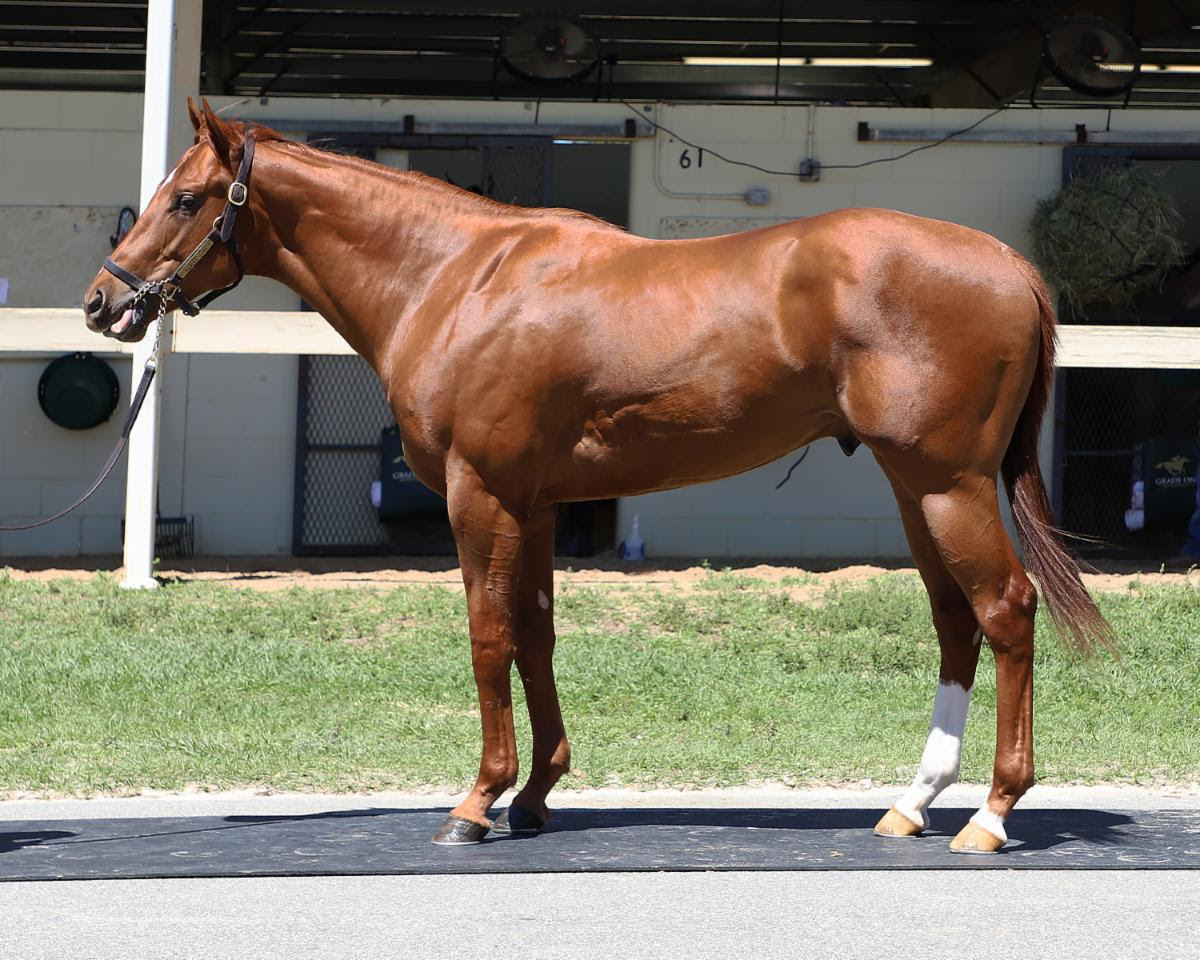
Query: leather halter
x: 168, y: 290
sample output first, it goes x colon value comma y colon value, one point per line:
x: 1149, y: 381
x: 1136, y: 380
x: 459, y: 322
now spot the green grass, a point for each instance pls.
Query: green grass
x: 103, y: 689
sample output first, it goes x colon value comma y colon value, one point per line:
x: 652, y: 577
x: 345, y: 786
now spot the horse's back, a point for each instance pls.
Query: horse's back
x: 870, y: 322
x: 689, y: 360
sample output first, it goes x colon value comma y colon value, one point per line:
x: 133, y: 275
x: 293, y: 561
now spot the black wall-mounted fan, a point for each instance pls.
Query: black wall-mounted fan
x: 1092, y: 56
x: 549, y: 47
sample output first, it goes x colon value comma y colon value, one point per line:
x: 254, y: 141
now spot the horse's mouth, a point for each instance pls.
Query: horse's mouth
x: 131, y: 323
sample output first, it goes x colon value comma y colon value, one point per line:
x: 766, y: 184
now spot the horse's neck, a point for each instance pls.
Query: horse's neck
x: 359, y: 245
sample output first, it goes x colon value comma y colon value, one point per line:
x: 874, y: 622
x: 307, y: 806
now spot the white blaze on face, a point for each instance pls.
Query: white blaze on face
x: 943, y: 751
x: 171, y: 176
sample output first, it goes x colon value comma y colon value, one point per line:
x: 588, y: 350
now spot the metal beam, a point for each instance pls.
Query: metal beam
x: 733, y: 29
x: 921, y: 11
x: 1079, y: 135
x: 716, y: 93
x: 324, y: 44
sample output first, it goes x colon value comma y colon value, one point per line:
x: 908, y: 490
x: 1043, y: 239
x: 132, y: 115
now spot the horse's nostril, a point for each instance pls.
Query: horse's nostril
x: 96, y: 303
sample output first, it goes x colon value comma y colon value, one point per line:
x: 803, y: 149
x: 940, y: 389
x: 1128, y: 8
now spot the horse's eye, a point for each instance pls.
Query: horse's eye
x: 186, y: 202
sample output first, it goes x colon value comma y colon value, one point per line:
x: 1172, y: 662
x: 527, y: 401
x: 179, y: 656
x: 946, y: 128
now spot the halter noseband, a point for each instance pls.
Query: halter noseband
x: 168, y: 290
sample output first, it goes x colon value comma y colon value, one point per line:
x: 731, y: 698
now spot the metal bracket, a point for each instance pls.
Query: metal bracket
x: 1079, y: 135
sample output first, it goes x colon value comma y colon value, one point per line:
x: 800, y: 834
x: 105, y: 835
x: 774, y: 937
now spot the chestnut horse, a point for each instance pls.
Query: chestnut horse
x: 536, y: 356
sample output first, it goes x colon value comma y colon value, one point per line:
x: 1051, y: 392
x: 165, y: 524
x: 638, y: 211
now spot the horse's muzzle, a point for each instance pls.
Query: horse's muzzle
x: 117, y: 317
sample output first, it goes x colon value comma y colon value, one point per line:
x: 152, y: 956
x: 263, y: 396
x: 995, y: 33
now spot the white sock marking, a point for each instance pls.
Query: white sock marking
x: 943, y: 751
x: 990, y: 822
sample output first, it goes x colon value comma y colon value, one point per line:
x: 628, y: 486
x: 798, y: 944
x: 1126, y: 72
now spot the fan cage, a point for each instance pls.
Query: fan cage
x: 1122, y: 81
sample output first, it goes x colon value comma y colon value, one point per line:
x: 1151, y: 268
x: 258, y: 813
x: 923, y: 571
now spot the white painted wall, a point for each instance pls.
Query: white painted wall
x: 229, y: 421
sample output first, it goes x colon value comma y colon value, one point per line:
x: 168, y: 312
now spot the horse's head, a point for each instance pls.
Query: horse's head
x: 164, y: 256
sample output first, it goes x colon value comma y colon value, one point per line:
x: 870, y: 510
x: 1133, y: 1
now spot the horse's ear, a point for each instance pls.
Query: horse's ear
x: 224, y: 138
x: 195, y: 115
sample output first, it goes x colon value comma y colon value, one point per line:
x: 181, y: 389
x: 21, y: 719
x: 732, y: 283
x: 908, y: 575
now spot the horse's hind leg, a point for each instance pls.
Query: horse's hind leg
x: 964, y: 522
x: 535, y: 663
x: 958, y: 637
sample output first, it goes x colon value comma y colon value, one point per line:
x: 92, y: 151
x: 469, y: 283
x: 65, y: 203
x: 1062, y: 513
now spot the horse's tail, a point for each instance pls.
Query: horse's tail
x: 1077, y: 620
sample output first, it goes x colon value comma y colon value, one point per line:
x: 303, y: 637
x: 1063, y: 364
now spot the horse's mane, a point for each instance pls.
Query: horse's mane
x: 449, y: 191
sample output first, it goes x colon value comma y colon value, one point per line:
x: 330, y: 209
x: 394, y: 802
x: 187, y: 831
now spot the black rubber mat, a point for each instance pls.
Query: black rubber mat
x: 386, y: 841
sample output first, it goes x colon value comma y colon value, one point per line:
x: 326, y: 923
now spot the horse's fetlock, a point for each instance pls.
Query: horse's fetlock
x: 496, y: 776
x: 1018, y: 780
x: 1015, y: 775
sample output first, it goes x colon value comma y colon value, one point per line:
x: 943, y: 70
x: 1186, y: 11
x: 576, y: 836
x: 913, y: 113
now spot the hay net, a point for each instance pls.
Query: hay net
x: 1106, y: 237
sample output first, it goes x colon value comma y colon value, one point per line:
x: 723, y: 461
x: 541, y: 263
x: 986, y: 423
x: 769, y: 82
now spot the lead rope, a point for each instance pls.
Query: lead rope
x: 135, y: 407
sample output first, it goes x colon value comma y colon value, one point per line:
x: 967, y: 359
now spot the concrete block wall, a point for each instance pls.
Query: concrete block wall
x: 229, y: 420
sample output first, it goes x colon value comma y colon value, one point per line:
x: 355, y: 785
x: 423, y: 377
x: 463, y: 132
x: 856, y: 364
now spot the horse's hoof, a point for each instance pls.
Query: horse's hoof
x: 896, y: 824
x: 975, y: 839
x: 518, y: 820
x: 458, y: 831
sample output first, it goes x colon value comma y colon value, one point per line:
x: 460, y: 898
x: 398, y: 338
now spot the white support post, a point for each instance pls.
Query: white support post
x: 172, y: 71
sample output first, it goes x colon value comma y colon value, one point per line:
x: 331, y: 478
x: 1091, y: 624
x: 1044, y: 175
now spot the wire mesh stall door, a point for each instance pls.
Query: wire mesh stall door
x: 1118, y: 430
x: 516, y: 173
x: 341, y: 416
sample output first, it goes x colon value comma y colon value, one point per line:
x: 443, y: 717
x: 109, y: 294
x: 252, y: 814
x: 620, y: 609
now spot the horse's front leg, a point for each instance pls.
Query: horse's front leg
x: 535, y: 663
x: 489, y: 542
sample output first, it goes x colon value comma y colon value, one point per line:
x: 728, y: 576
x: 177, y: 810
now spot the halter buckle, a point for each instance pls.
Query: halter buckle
x: 238, y: 193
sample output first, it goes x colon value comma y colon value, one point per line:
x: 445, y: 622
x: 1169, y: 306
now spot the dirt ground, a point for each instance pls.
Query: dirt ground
x: 282, y: 573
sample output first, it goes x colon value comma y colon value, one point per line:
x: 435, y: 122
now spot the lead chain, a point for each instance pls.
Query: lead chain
x: 158, y: 329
